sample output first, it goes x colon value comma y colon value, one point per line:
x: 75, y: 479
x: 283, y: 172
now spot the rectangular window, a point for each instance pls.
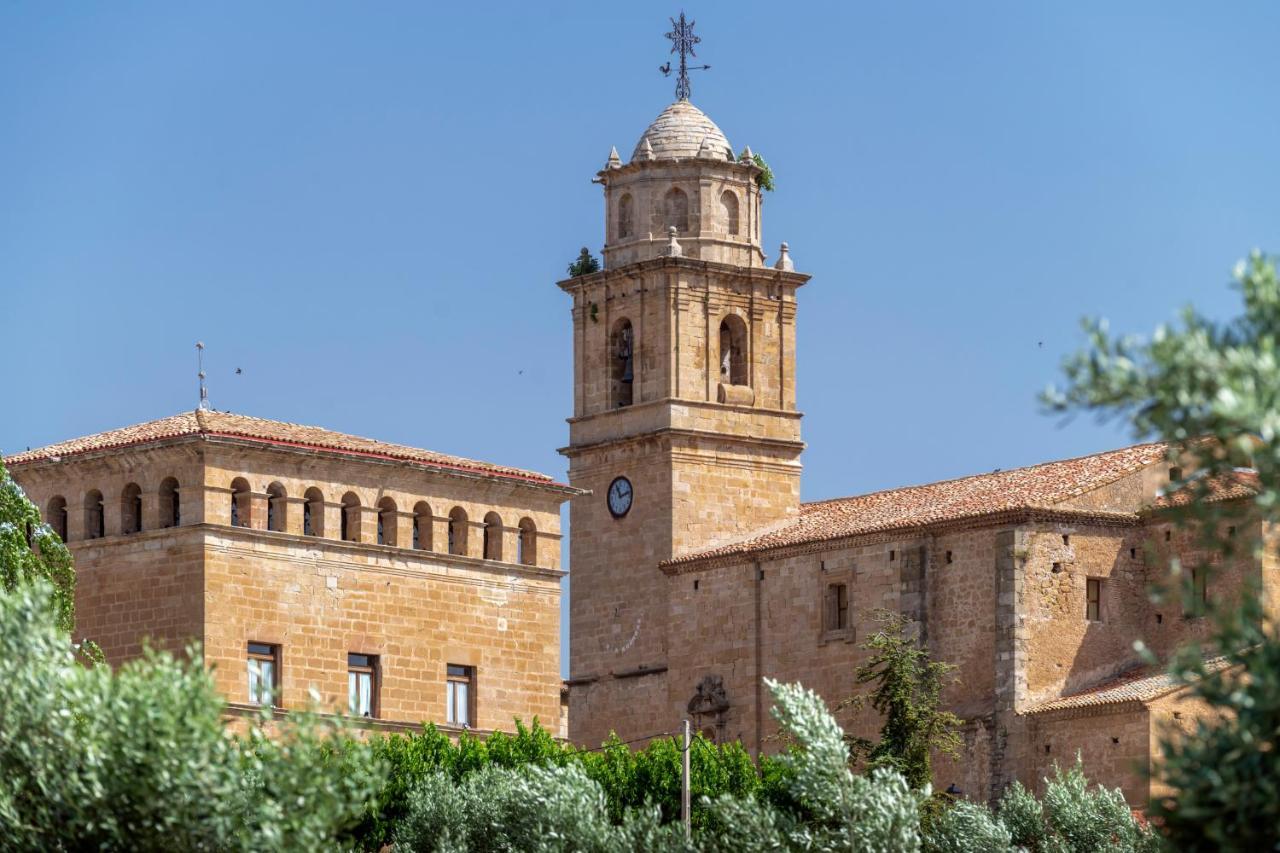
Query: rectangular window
x: 1199, y: 593
x: 362, y: 685
x: 1093, y: 598
x: 263, y: 662
x: 459, y: 694
x: 837, y: 607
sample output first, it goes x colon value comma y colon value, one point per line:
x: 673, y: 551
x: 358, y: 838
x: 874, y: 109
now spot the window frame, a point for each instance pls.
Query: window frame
x: 465, y: 675
x: 830, y: 582
x: 1093, y: 599
x: 371, y: 668
x: 263, y: 653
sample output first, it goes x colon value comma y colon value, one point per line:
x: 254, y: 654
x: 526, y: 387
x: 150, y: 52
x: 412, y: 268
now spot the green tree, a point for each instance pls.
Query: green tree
x: 585, y: 264
x: 29, y: 549
x: 907, y: 692
x: 140, y: 759
x: 1212, y: 390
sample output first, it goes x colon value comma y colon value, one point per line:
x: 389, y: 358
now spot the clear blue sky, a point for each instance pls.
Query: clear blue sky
x: 365, y: 206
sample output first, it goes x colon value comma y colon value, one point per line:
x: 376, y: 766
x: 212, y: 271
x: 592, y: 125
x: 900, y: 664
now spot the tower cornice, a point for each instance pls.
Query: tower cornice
x: 761, y: 274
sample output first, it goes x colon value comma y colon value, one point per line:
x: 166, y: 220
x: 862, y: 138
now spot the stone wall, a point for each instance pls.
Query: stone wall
x: 1114, y: 742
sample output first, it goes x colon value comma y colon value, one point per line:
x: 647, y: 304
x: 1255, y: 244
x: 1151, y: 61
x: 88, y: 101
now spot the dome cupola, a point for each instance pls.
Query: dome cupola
x: 681, y: 132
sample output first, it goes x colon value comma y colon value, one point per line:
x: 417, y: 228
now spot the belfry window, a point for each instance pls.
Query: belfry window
x: 625, y: 216
x: 527, y: 543
x: 457, y: 530
x: 57, y: 516
x: 492, y: 536
x: 313, y: 512
x: 422, y: 526
x: 733, y: 351
x: 277, y: 507
x: 350, y: 517
x: 676, y: 209
x: 170, y: 508
x: 387, y: 517
x: 131, y: 509
x: 94, y: 523
x: 622, y: 364
x: 240, y: 502
x: 729, y: 210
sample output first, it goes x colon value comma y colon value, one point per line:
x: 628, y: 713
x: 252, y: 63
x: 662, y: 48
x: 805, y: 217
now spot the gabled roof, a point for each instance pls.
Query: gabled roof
x: 214, y: 424
x: 1041, y: 486
x: 1139, y: 685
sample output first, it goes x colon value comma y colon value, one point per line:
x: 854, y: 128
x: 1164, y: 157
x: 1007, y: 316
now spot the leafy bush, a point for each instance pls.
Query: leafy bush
x: 29, y: 549
x: 967, y: 828
x: 140, y: 759
x: 585, y: 264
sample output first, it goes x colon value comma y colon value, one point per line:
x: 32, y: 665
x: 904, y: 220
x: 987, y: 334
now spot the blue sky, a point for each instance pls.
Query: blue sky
x: 365, y: 207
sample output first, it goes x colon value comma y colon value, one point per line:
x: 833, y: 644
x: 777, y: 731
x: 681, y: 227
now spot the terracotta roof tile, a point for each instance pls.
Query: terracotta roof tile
x: 1138, y: 685
x: 1035, y: 487
x: 1229, y: 487
x: 228, y: 425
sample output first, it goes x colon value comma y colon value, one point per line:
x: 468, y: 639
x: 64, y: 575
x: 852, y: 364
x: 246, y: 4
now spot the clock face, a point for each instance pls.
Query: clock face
x: 620, y: 495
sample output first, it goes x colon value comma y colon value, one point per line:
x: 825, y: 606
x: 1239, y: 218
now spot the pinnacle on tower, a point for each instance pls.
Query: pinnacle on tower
x: 614, y: 161
x: 784, y: 260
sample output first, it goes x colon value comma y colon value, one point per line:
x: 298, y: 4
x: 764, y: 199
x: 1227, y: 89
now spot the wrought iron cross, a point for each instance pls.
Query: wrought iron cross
x: 682, y: 42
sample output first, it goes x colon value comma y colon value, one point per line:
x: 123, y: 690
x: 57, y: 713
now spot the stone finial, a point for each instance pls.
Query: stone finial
x: 748, y: 157
x: 614, y: 162
x: 707, y: 151
x: 784, y: 260
x: 646, y: 150
x: 672, y: 249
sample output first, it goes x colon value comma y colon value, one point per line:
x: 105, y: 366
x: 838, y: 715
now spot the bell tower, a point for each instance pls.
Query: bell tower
x: 684, y: 427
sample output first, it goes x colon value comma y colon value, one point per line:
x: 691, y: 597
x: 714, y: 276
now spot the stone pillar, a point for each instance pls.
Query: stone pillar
x: 440, y: 534
x: 75, y: 520
x: 366, y: 524
x: 1011, y: 661
x: 294, y: 510
x: 216, y: 505
x: 151, y: 519
x: 332, y: 528
x: 257, y: 510
x: 475, y: 538
x: 403, y: 537
x: 510, y: 544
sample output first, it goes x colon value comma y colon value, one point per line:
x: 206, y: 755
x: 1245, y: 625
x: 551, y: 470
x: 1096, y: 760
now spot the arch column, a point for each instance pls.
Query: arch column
x: 332, y: 520
x: 366, y: 521
x: 440, y: 533
x: 216, y: 505
x: 293, y: 509
x: 404, y: 529
x: 258, y: 510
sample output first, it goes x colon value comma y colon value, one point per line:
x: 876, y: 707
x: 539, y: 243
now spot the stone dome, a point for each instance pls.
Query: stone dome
x: 681, y: 132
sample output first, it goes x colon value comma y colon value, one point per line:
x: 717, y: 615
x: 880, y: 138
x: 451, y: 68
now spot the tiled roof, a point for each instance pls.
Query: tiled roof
x: 227, y: 425
x: 1036, y: 487
x: 1139, y: 685
x: 1228, y: 487
x: 680, y: 132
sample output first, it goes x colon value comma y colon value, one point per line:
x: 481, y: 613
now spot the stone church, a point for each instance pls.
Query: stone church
x: 408, y: 586
x: 697, y: 571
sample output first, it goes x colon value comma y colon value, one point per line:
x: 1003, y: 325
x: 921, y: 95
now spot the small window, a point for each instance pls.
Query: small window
x: 622, y: 364
x: 492, y: 536
x: 263, y: 662
x: 1175, y: 474
x: 729, y: 210
x: 170, y: 507
x: 458, y: 531
x: 362, y: 685
x: 459, y: 695
x: 350, y: 517
x: 949, y: 558
x: 733, y: 351
x: 527, y: 543
x: 1066, y: 540
x: 837, y: 607
x: 313, y: 512
x: 892, y: 555
x: 94, y: 522
x: 387, y: 519
x: 277, y: 508
x: 1093, y: 600
x: 131, y: 509
x: 240, y: 502
x: 57, y: 516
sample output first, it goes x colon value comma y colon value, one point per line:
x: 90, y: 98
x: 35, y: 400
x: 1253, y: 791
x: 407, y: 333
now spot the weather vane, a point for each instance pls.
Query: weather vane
x: 204, y: 392
x: 682, y: 42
